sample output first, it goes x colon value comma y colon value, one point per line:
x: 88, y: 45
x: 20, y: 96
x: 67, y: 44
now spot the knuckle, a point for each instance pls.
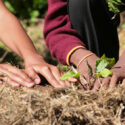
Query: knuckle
x: 45, y: 68
x: 25, y: 77
x: 31, y: 74
x: 55, y: 68
x: 1, y: 68
x: 28, y: 69
x: 8, y: 64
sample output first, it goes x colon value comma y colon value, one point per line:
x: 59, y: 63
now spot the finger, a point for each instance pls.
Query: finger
x: 105, y: 83
x: 10, y: 82
x: 17, y: 78
x: 97, y: 85
x: 84, y: 82
x: 123, y: 82
x: 56, y: 73
x: 67, y: 84
x: 46, y: 72
x: 74, y: 80
x: 113, y: 81
x: 33, y: 75
x: 17, y: 71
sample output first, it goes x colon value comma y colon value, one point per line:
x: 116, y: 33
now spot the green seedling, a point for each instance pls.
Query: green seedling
x: 63, y: 67
x: 70, y: 74
x: 102, y: 70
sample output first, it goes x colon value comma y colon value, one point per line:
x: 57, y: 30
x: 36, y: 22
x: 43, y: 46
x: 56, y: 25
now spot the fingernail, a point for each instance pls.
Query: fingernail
x: 37, y: 81
x: 30, y: 85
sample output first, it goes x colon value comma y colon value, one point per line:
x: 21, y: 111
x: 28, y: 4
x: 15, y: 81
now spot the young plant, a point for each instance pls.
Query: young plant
x: 102, y: 69
x: 69, y: 72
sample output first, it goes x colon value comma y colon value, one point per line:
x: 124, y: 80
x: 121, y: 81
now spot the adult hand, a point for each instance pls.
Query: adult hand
x: 76, y: 57
x: 83, y: 68
x: 36, y: 65
x: 14, y: 76
x: 118, y: 75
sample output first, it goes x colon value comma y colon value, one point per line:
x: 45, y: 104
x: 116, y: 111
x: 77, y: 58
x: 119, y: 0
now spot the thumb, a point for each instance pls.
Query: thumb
x: 33, y: 75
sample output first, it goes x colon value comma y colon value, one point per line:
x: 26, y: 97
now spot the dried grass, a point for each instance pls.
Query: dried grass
x: 48, y: 106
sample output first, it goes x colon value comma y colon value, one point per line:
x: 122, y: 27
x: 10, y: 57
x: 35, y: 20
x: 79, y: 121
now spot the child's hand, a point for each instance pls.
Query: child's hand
x: 37, y: 65
x: 14, y: 76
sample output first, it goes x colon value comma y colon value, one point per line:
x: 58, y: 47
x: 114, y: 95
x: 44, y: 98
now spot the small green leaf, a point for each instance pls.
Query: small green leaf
x: 92, y: 81
x: 10, y: 7
x: 106, y: 72
x: 101, y: 66
x: 89, y: 69
x: 77, y: 75
x: 103, y: 63
x: 63, y: 67
x: 111, y: 62
x: 34, y: 14
x: 70, y: 74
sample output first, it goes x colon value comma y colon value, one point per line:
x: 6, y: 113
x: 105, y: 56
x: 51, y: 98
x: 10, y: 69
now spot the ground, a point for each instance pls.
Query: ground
x: 40, y: 106
x: 48, y: 106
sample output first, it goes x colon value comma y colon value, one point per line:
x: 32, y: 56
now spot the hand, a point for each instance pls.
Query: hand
x: 118, y: 75
x: 14, y: 76
x: 85, y: 75
x: 36, y: 65
x: 83, y: 68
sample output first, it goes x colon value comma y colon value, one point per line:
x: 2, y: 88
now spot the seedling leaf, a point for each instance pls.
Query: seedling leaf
x: 103, y: 63
x: 63, y: 67
x: 105, y: 73
x: 70, y: 74
x: 92, y: 81
x: 89, y: 69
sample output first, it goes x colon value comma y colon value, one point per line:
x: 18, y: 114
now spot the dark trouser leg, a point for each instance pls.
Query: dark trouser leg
x: 92, y: 21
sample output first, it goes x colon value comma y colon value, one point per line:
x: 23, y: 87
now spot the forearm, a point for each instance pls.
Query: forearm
x: 13, y: 35
x: 59, y: 35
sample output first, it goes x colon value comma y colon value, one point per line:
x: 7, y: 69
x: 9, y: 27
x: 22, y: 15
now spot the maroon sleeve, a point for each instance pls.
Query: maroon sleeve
x: 58, y: 34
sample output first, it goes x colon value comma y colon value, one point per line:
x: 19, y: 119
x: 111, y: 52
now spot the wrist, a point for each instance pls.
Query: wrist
x: 79, y: 57
x: 32, y: 58
x: 80, y: 54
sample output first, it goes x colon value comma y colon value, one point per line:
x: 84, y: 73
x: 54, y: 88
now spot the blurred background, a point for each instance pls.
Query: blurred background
x: 31, y: 13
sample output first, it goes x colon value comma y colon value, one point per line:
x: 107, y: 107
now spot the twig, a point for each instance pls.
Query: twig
x: 3, y: 57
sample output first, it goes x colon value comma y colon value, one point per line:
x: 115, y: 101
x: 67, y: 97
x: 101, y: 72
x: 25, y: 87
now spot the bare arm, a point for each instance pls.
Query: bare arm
x: 13, y: 35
